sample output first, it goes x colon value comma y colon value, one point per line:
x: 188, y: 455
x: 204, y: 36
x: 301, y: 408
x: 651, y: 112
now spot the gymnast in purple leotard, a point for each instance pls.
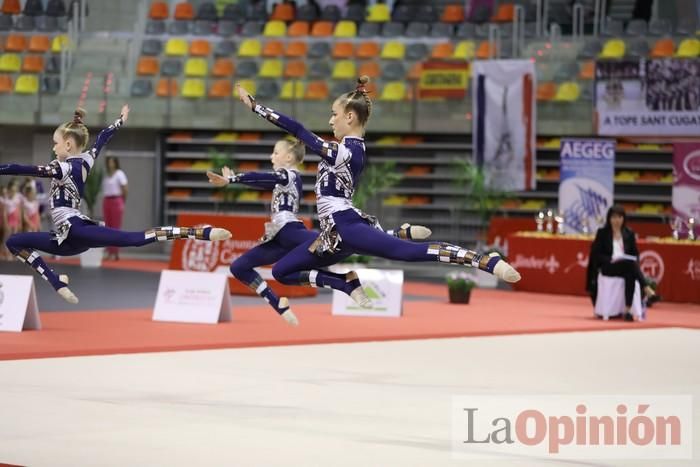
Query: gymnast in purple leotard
x: 284, y: 231
x: 345, y: 229
x: 76, y: 232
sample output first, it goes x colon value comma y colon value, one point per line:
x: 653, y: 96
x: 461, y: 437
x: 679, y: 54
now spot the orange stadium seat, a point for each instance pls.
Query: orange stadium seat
x: 295, y: 69
x: 39, y: 44
x: 200, y: 48
x: 159, y: 10
x: 663, y: 48
x: 11, y: 7
x: 15, y: 43
x: 220, y: 89
x: 273, y: 49
x: 505, y: 13
x: 298, y: 29
x: 184, y: 11
x: 368, y: 50
x: 223, y: 68
x: 322, y: 29
x: 370, y: 69
x: 453, y: 13
x: 343, y: 50
x: 443, y: 50
x: 33, y: 64
x: 283, y: 12
x: 5, y: 84
x: 147, y: 66
x: 166, y: 88
x: 317, y: 90
x: 295, y: 49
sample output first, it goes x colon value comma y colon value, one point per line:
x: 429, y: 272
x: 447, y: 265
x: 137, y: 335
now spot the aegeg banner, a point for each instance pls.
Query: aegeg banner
x: 586, y: 182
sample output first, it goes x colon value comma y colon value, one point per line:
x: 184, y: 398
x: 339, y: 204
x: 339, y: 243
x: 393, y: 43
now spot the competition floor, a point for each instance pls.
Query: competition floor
x: 104, y: 385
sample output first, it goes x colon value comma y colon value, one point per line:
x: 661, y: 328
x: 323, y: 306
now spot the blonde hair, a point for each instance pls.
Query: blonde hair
x: 76, y: 129
x: 296, y: 147
x: 358, y: 101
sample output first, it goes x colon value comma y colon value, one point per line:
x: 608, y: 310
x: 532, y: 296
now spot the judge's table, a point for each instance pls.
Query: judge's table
x: 557, y: 264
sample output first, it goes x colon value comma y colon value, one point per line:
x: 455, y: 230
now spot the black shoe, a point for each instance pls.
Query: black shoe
x: 629, y: 317
x: 653, y: 299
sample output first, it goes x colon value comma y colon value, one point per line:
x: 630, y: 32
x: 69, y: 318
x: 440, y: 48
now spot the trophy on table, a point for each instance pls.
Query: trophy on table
x: 550, y: 221
x: 676, y: 223
x: 559, y: 218
x: 539, y: 220
x: 585, y: 225
x: 691, y: 228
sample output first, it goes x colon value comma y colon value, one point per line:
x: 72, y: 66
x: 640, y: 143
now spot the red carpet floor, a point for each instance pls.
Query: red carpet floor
x: 491, y: 312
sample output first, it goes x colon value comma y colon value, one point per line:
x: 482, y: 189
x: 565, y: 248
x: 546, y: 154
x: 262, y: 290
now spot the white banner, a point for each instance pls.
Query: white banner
x: 504, y: 122
x: 192, y: 297
x: 658, y: 97
x: 586, y: 183
x: 18, y: 305
x: 384, y: 287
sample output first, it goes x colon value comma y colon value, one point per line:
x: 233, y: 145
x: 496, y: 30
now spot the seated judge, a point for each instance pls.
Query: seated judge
x: 614, y: 253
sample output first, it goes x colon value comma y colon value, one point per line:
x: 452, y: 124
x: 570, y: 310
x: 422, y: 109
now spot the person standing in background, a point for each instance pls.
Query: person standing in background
x: 114, y: 189
x: 31, y: 218
x: 13, y: 207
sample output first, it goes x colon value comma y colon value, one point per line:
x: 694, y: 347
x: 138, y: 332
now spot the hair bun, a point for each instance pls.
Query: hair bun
x: 361, y: 82
x: 78, y: 115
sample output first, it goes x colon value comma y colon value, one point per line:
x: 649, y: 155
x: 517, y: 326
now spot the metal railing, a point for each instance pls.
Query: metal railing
x: 135, y: 45
x: 494, y: 41
x: 578, y: 20
x: 76, y: 26
x: 599, y: 15
x: 518, y: 31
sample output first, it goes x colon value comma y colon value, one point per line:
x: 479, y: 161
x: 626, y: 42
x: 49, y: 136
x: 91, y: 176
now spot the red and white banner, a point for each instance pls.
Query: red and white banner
x: 504, y: 122
x: 197, y: 255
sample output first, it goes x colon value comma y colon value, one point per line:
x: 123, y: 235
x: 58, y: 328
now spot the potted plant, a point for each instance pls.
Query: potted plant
x: 475, y: 194
x: 460, y: 285
x: 92, y: 258
x: 230, y: 193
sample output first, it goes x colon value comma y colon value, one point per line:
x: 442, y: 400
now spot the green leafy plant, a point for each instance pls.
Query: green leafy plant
x: 376, y: 177
x: 460, y: 282
x: 470, y: 180
x: 219, y: 160
x: 93, y: 186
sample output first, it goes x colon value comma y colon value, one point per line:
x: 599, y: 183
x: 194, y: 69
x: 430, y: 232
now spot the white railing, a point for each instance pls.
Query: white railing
x: 599, y: 16
x: 518, y: 30
x: 545, y: 18
x: 76, y: 26
x: 578, y: 21
x: 539, y: 26
x: 134, y: 49
x: 494, y: 41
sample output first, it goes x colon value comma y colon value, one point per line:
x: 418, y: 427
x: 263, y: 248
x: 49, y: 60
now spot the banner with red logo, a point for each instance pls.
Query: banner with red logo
x: 197, y: 255
x: 553, y: 264
x: 686, y: 182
